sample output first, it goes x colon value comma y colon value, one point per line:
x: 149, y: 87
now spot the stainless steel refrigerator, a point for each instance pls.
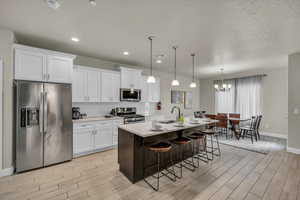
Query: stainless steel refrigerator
x: 43, y: 124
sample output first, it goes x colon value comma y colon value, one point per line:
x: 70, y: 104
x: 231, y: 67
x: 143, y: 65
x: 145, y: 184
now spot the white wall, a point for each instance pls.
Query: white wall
x: 1, y: 112
x: 275, y: 99
x: 294, y: 103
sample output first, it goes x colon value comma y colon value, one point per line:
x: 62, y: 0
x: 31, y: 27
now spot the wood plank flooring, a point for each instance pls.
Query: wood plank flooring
x: 237, y: 174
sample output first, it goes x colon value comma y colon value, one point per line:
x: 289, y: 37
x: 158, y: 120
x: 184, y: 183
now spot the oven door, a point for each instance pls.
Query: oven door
x: 130, y: 95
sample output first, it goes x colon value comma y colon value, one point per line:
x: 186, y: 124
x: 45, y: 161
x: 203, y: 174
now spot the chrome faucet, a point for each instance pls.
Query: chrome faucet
x: 179, y: 113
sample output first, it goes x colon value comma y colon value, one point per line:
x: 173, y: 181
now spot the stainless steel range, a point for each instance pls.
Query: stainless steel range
x: 129, y: 114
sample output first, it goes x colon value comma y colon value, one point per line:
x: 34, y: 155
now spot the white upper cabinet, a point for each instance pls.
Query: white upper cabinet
x: 150, y: 91
x: 154, y: 91
x: 36, y: 64
x: 145, y: 90
x: 30, y: 65
x: 110, y: 86
x: 130, y: 78
x: 59, y: 69
x: 79, y: 84
x: 85, y: 84
x: 93, y: 85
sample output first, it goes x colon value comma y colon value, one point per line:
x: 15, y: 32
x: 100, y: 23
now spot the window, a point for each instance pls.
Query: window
x: 225, y: 100
x: 244, y: 97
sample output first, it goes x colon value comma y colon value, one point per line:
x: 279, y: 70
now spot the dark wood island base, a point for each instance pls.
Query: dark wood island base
x: 132, y: 155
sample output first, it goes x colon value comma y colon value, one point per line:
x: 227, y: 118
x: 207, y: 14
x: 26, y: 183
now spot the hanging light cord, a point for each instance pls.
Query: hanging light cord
x: 150, y: 38
x: 193, y: 56
x: 175, y: 62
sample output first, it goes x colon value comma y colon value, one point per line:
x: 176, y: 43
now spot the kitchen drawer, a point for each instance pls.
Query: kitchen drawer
x: 84, y: 125
x: 104, y: 123
x: 118, y: 122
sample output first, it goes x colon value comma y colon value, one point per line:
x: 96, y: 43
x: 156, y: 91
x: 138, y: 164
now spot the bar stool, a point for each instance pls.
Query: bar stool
x: 199, y: 150
x: 182, y: 142
x: 158, y: 149
x: 213, y: 149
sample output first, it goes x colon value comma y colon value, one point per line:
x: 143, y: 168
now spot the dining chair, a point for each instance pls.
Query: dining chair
x: 251, y: 131
x: 237, y: 116
x: 223, y: 114
x: 222, y: 124
x: 213, y: 117
x: 258, y: 126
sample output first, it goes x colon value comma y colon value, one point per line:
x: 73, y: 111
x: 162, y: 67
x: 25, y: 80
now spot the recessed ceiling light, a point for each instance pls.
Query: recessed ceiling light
x: 93, y: 2
x: 158, y: 61
x: 54, y: 4
x: 75, y: 39
x: 126, y: 53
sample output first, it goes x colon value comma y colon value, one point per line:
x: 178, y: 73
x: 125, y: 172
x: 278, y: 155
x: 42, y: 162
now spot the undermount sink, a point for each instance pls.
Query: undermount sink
x: 167, y: 121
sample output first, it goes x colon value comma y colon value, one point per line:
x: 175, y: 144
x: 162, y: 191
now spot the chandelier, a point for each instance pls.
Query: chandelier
x: 221, y: 85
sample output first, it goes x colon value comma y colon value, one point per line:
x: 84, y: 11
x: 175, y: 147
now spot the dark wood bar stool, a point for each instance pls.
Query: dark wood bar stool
x: 182, y: 143
x: 199, y: 150
x: 212, y: 133
x: 158, y: 149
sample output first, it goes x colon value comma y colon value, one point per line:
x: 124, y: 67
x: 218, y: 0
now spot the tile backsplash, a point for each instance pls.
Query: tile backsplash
x: 101, y: 109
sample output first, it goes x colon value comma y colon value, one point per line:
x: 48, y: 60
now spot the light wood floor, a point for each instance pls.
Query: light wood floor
x: 238, y: 174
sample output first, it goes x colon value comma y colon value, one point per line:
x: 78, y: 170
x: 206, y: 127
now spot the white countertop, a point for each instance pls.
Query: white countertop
x: 145, y: 129
x: 100, y: 118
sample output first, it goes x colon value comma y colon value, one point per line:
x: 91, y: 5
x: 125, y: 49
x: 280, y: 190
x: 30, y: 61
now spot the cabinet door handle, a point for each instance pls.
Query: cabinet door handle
x: 48, y: 77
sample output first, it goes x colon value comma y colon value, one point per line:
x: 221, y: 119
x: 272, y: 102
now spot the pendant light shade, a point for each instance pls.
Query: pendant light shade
x: 175, y: 82
x: 193, y: 83
x: 151, y: 78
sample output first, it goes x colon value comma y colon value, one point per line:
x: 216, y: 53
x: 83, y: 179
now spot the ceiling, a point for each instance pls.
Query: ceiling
x: 239, y: 35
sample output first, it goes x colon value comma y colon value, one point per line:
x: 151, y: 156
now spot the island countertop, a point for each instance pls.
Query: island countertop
x: 145, y: 129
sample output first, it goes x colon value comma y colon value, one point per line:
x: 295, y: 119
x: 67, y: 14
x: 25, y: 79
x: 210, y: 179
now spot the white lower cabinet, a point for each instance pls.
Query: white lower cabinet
x: 95, y: 136
x: 83, y: 138
x: 103, y: 135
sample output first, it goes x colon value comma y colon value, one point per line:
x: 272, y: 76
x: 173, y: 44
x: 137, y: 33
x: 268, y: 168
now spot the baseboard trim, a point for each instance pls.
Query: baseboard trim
x: 276, y: 135
x: 6, y: 171
x: 293, y: 150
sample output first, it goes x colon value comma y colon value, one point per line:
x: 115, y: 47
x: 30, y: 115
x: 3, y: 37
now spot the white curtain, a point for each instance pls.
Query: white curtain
x: 248, y: 96
x: 225, y: 100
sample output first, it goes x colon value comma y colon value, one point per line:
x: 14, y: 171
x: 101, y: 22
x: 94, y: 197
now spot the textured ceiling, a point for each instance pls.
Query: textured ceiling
x: 241, y: 35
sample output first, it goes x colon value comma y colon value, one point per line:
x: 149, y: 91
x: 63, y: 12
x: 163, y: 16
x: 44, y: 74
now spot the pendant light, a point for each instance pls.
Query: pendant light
x: 193, y: 83
x: 175, y: 82
x: 151, y: 78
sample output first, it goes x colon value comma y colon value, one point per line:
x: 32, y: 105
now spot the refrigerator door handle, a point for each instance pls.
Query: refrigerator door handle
x: 41, y: 112
x: 45, y: 112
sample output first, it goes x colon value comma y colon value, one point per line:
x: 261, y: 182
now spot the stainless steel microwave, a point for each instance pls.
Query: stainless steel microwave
x: 130, y: 94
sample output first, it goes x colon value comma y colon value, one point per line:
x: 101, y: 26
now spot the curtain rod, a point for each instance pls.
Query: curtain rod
x: 258, y: 75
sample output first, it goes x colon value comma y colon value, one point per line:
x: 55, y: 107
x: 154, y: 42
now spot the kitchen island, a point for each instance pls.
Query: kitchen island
x: 133, y: 138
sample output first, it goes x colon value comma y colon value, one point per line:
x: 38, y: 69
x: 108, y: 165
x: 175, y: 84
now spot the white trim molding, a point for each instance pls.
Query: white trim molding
x: 275, y: 135
x: 6, y: 172
x: 293, y: 150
